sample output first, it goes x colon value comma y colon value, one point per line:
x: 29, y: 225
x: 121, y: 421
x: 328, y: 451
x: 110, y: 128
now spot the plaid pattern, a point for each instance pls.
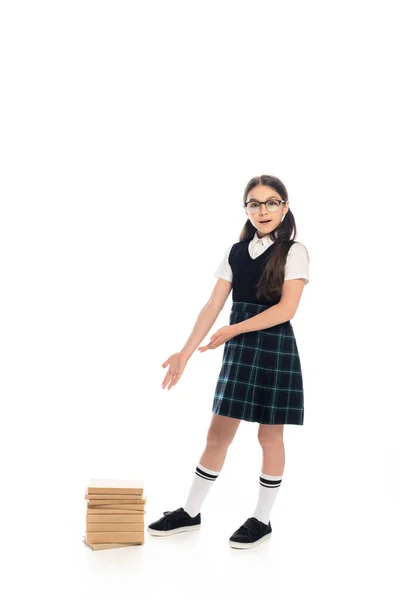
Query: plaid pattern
x: 260, y: 378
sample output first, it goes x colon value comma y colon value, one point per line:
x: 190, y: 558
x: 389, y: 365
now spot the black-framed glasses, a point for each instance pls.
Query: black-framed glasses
x: 253, y: 206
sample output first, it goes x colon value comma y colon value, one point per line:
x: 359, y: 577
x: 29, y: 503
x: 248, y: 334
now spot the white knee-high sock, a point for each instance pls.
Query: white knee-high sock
x: 202, y: 482
x: 267, y: 491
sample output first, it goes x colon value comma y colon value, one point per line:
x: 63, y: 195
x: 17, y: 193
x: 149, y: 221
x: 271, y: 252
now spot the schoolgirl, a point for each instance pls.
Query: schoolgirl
x: 260, y: 378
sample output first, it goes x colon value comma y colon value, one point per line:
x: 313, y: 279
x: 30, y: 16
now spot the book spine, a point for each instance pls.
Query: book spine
x: 114, y: 527
x: 104, y: 537
x: 133, y: 518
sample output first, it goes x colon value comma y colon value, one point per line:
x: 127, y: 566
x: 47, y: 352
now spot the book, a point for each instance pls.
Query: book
x: 111, y: 501
x: 114, y: 504
x: 132, y: 518
x: 113, y: 496
x: 115, y: 486
x: 132, y: 526
x: 107, y: 546
x: 132, y: 505
x: 106, y: 537
x: 114, y: 511
x: 120, y: 509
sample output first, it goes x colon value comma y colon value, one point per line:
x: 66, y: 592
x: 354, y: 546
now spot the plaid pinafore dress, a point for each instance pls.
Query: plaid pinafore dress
x: 260, y: 378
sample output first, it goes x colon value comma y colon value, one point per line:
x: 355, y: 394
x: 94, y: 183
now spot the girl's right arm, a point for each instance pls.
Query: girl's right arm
x: 204, y: 322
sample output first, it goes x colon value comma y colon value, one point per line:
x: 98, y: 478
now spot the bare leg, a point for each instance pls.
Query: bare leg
x: 271, y: 441
x: 273, y: 463
x: 221, y: 432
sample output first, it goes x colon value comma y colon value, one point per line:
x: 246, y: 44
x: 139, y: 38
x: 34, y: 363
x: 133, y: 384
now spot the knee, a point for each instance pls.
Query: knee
x: 219, y: 440
x: 270, y: 438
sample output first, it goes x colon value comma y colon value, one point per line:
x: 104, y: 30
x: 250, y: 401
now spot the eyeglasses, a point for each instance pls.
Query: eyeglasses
x: 271, y: 205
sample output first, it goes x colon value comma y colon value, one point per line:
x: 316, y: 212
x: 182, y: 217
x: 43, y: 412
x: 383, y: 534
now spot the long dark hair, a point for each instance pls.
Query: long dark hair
x: 270, y: 284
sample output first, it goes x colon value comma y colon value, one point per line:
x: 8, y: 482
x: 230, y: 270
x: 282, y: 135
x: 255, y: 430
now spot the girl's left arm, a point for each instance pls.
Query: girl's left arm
x: 279, y: 313
x: 285, y: 310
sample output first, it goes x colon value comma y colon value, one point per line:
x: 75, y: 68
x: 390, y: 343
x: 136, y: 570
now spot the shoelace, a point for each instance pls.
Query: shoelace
x: 172, y: 514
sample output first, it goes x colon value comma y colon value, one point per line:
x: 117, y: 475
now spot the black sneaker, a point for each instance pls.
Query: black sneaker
x: 252, y: 533
x: 174, y: 521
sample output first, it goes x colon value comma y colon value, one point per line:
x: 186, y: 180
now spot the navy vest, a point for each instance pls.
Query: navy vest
x: 247, y: 272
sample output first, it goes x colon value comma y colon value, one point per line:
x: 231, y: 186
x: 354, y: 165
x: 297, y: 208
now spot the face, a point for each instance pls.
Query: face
x: 262, y: 193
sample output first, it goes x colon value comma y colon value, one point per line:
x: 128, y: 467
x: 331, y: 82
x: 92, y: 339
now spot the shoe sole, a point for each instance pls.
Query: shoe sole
x: 250, y: 544
x: 172, y: 531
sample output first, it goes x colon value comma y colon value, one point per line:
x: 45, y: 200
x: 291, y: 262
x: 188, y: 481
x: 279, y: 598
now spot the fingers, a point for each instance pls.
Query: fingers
x: 173, y: 382
x: 212, y: 345
x: 208, y: 346
x: 171, y: 379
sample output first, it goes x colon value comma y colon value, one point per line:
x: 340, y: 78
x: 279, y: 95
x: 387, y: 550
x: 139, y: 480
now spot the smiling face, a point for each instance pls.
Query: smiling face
x: 263, y: 193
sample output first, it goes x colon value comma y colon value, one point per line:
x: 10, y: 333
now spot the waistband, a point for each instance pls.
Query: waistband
x: 249, y: 307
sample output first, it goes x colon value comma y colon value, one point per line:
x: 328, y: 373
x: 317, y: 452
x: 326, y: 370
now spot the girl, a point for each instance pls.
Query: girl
x: 260, y: 379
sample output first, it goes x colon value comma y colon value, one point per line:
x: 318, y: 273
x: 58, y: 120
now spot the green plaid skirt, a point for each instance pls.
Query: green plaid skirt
x: 260, y: 378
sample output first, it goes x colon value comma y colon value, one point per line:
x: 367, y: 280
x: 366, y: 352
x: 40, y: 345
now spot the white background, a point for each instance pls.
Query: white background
x: 128, y: 133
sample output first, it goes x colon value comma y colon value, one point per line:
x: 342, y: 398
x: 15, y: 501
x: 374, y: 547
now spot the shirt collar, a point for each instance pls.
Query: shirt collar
x: 265, y: 240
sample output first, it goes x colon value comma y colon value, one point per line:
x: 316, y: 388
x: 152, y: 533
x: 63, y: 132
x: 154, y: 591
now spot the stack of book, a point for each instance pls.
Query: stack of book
x: 115, y: 513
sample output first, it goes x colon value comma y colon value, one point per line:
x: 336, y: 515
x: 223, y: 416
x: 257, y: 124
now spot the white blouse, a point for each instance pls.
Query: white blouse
x: 297, y: 262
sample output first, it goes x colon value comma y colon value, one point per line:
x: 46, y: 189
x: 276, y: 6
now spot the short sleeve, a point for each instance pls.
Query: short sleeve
x: 297, y: 263
x: 224, y: 270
